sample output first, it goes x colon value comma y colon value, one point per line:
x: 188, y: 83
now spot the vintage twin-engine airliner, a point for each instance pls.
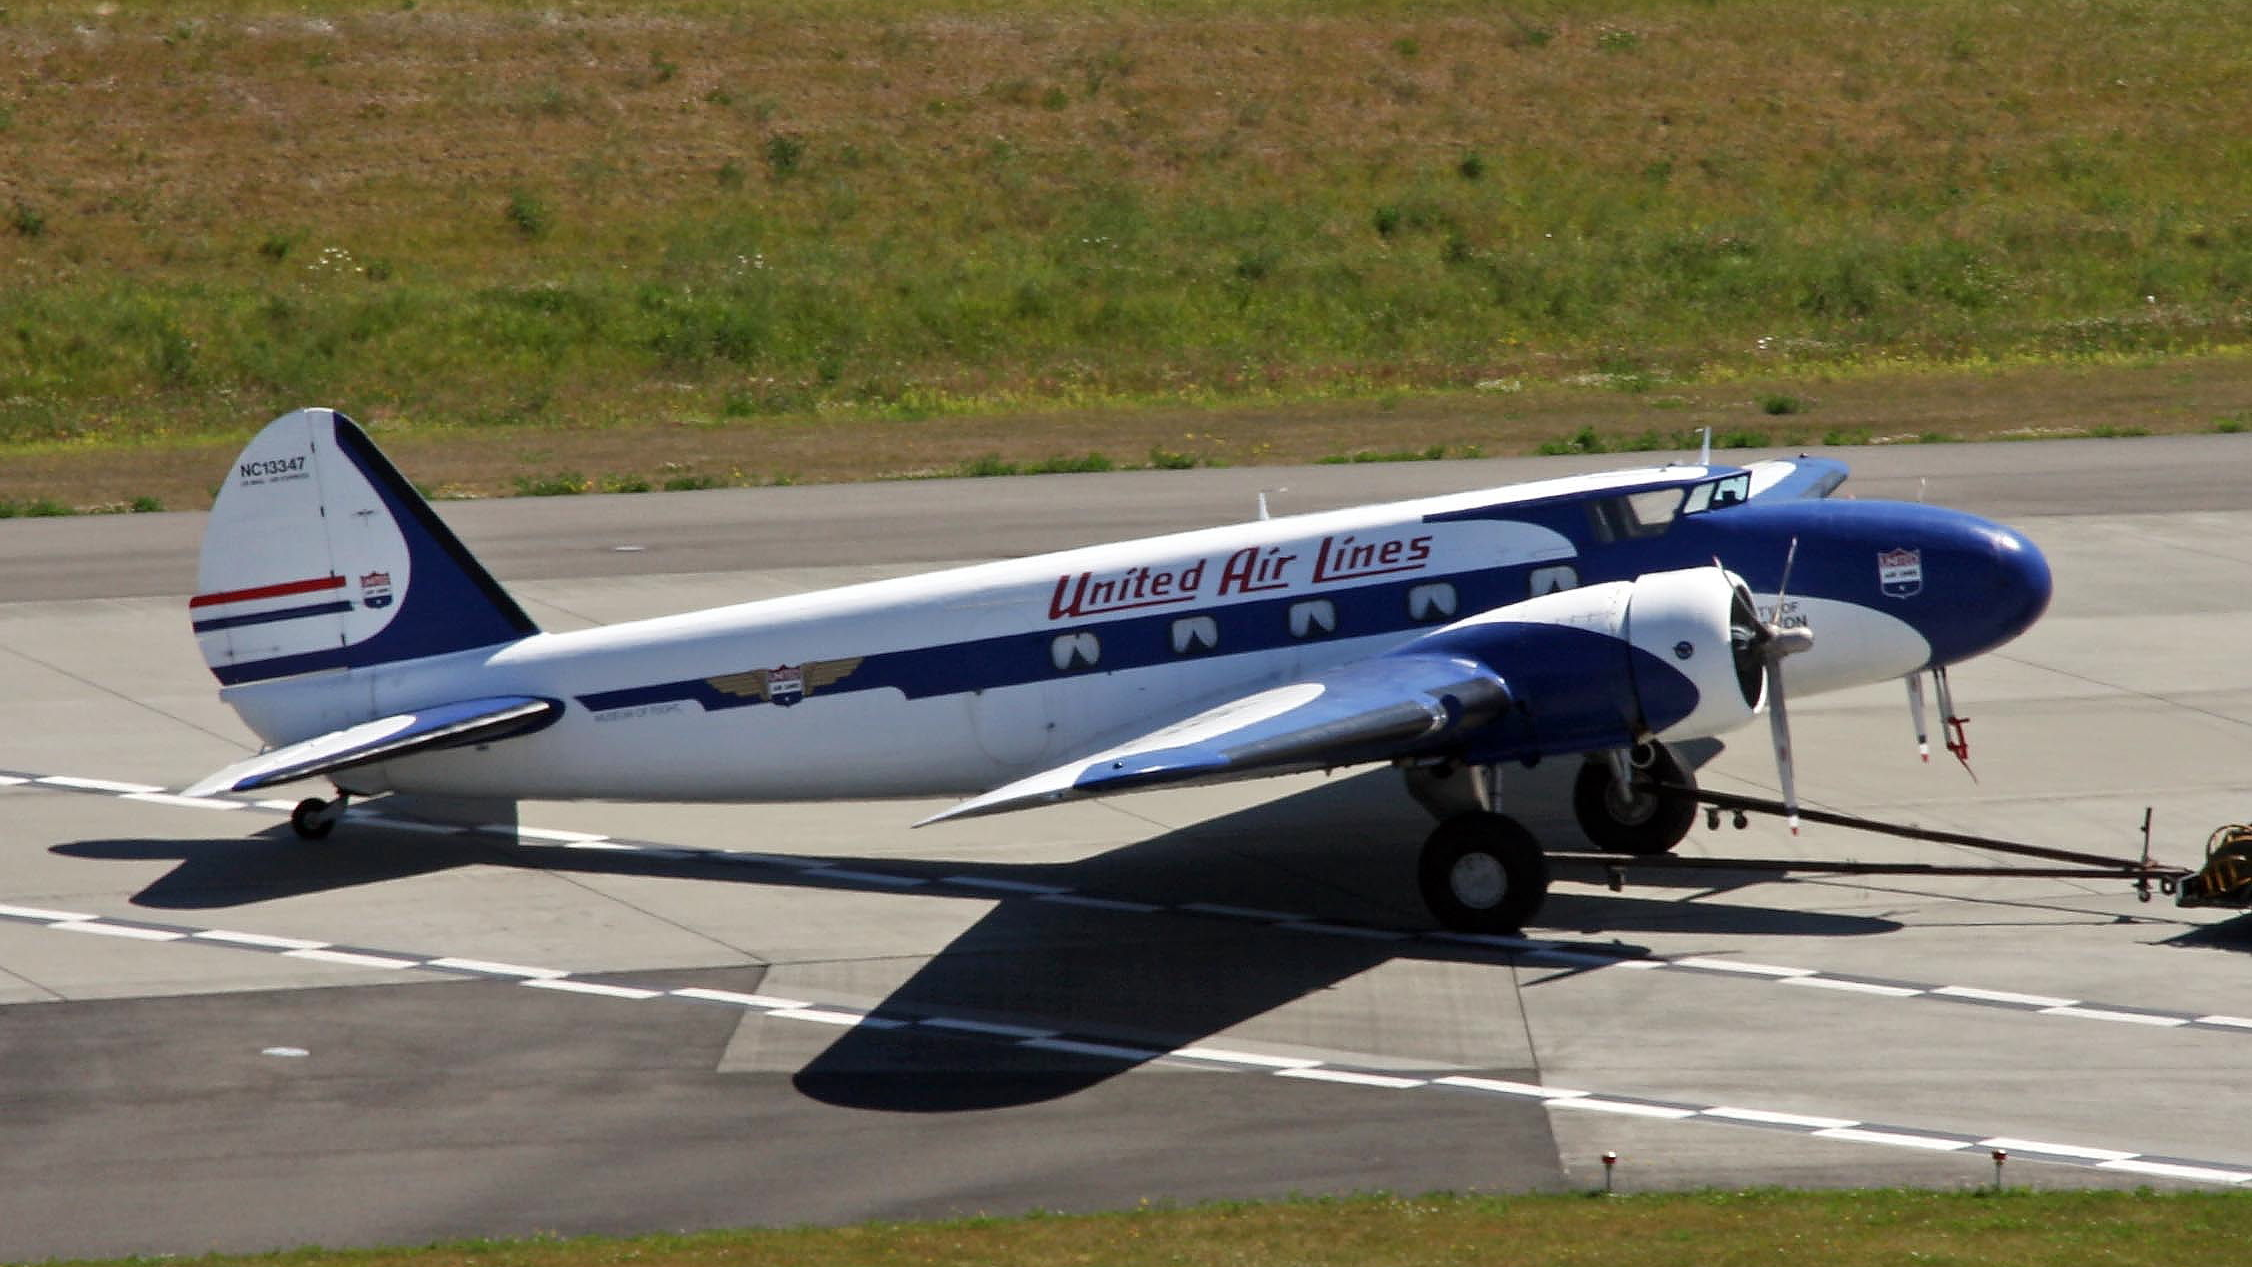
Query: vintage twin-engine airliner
x: 1608, y: 615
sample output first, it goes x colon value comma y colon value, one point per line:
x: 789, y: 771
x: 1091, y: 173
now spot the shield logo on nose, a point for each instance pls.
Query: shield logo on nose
x: 1900, y: 573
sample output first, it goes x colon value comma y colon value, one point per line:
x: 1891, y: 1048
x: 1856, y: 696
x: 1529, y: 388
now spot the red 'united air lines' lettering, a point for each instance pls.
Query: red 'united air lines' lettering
x: 1088, y: 594
x: 1348, y: 557
x: 1251, y: 570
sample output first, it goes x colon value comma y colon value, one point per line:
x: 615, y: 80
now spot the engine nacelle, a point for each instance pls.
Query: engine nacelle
x: 1670, y: 655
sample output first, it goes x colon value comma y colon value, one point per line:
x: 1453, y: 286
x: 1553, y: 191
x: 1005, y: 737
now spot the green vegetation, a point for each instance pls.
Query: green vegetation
x: 957, y: 209
x: 1844, y: 1229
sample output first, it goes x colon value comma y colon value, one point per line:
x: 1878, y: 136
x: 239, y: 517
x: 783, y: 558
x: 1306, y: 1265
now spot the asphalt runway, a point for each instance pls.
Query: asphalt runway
x: 645, y: 1017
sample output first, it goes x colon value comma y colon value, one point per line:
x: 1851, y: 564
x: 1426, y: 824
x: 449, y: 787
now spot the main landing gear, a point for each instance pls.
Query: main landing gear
x: 1617, y: 801
x: 1482, y: 872
x: 314, y: 818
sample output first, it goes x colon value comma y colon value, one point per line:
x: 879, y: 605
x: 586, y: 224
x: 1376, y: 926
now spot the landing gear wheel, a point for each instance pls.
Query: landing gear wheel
x: 312, y: 819
x: 1634, y: 819
x: 1482, y: 873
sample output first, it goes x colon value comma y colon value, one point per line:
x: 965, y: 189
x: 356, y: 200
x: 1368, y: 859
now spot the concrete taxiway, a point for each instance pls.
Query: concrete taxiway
x: 639, y: 1017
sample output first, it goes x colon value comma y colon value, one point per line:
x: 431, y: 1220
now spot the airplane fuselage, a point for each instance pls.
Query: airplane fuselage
x: 962, y: 679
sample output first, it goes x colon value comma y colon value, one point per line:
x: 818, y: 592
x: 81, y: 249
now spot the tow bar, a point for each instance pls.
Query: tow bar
x: 2231, y: 858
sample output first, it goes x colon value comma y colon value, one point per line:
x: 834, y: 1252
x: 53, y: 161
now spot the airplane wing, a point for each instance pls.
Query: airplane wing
x: 1364, y: 711
x: 385, y: 739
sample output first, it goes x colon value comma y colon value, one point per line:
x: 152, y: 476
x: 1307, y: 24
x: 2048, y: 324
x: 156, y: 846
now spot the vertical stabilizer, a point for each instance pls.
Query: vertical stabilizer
x: 320, y: 555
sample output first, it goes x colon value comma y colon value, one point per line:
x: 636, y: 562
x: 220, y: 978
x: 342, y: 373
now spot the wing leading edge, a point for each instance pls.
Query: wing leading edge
x: 1368, y: 710
x: 386, y: 739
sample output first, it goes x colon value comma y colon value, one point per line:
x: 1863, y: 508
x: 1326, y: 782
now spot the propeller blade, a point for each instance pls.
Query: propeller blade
x: 1783, y: 591
x: 1916, y: 711
x: 1779, y: 726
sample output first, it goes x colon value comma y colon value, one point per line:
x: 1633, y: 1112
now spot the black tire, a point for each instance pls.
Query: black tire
x: 307, y: 821
x: 1482, y: 873
x: 1642, y: 822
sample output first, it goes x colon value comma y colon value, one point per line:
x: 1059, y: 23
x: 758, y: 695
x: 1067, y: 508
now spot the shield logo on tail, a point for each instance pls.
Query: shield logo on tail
x: 375, y: 589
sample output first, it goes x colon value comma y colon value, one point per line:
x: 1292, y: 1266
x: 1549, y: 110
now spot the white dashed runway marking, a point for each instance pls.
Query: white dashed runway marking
x: 1196, y: 1054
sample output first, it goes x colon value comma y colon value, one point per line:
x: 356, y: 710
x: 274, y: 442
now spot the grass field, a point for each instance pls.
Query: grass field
x: 1718, y: 1229
x: 904, y: 228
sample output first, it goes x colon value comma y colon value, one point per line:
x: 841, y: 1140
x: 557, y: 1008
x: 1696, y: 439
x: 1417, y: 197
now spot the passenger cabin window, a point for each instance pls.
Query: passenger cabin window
x: 1075, y: 651
x: 1432, y: 602
x: 1548, y: 580
x: 1314, y: 618
x: 1195, y: 635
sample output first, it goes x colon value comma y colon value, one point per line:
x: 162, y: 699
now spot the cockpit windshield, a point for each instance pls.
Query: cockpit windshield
x: 1714, y: 494
x: 1630, y: 516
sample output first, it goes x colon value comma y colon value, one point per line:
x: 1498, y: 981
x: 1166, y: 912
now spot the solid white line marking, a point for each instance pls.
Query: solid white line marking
x: 116, y: 930
x: 1350, y: 1078
x: 2003, y: 996
x: 550, y: 833
x: 867, y: 877
x: 10, y: 780
x: 495, y: 969
x: 2237, y: 1022
x: 2011, y: 1145
x: 1893, y: 1138
x: 1626, y: 1107
x: 1004, y: 886
x: 388, y: 823
x: 283, y: 806
x: 826, y: 1016
x: 591, y: 987
x: 1506, y: 1087
x: 1076, y: 1048
x: 987, y: 1027
x: 606, y: 846
x: 96, y: 785
x: 2105, y: 1014
x: 1099, y: 903
x: 1854, y: 987
x: 1490, y: 939
x: 1230, y: 1056
x: 34, y: 912
x: 1640, y: 963
x: 741, y: 1000
x: 1737, y: 965
x: 259, y: 939
x: 1347, y: 930
x: 185, y: 802
x: 1244, y: 912
x: 2169, y: 1170
x: 1774, y: 1118
x: 1572, y: 958
x: 353, y: 960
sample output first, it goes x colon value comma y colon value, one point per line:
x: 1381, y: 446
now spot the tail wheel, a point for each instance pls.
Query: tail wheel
x: 1483, y: 873
x: 1635, y: 818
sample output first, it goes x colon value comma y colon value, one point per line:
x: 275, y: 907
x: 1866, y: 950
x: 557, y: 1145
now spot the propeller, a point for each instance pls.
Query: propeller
x: 1760, y: 647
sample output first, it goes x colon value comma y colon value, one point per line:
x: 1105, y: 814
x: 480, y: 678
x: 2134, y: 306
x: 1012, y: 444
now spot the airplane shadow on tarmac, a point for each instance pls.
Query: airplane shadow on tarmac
x: 1121, y: 977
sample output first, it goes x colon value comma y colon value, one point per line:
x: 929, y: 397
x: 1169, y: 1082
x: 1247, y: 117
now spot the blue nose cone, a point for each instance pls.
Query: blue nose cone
x: 2000, y: 585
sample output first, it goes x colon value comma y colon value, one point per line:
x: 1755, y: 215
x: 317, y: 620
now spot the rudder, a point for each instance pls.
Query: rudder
x: 319, y: 555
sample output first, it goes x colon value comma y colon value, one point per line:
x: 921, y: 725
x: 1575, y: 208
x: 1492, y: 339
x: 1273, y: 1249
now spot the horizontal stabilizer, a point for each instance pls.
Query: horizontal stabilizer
x: 385, y: 739
x: 1368, y: 710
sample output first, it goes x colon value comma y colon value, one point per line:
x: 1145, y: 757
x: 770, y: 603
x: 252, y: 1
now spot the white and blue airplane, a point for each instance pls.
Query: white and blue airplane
x: 1605, y: 615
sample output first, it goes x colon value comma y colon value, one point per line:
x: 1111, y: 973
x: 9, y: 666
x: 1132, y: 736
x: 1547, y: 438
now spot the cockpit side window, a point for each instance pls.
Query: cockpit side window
x: 1635, y: 515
